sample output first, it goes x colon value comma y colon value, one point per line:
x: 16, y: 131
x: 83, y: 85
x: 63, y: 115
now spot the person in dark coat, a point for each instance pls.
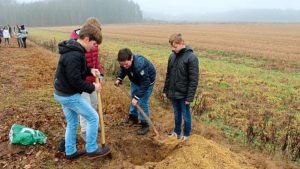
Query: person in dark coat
x: 69, y: 83
x: 181, y: 83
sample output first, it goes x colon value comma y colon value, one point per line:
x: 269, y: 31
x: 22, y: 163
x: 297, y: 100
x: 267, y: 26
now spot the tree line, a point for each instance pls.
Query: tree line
x: 70, y: 12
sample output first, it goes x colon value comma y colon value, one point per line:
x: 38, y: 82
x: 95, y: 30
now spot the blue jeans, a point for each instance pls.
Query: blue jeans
x: 143, y: 102
x: 182, y: 109
x: 73, y: 106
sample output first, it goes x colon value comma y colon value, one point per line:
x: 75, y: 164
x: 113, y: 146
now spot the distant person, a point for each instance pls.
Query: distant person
x: 6, y: 35
x: 19, y: 36
x: 10, y: 30
x: 142, y: 75
x: 1, y: 34
x: 69, y: 83
x: 181, y: 84
x: 23, y: 35
x: 92, y: 61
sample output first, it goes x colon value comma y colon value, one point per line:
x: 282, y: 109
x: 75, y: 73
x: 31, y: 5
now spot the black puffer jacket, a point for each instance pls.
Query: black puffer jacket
x: 182, y: 75
x: 72, y: 70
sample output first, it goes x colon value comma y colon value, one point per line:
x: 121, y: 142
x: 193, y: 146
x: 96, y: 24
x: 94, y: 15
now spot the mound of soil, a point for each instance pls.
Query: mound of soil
x: 198, y: 152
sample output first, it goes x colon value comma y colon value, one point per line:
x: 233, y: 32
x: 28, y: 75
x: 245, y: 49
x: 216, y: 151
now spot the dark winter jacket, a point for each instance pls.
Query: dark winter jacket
x: 72, y: 70
x: 91, y: 58
x: 182, y: 75
x: 141, y: 73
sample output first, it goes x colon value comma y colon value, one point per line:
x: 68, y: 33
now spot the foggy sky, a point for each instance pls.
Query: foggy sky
x: 177, y: 7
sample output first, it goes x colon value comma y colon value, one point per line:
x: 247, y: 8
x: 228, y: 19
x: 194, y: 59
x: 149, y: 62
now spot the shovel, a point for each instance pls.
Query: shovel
x: 157, y: 136
x: 102, y: 133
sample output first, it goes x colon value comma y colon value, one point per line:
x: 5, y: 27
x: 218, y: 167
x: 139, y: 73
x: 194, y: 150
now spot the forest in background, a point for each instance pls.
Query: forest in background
x: 71, y: 12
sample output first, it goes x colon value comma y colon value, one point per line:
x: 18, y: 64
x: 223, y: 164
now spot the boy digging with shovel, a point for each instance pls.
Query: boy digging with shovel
x: 70, y: 83
x: 142, y: 74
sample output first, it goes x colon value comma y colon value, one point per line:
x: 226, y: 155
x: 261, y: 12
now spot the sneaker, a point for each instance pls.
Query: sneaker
x: 75, y: 155
x: 61, y: 145
x: 100, y: 152
x: 144, y: 129
x: 174, y: 135
x: 184, y: 138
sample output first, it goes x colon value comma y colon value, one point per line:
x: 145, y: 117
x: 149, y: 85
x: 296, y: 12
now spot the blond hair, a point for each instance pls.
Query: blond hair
x: 176, y: 38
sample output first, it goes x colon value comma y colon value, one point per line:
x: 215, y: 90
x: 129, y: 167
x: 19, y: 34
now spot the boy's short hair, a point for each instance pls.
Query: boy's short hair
x: 92, y: 32
x: 124, y: 55
x: 93, y: 21
x: 176, y: 38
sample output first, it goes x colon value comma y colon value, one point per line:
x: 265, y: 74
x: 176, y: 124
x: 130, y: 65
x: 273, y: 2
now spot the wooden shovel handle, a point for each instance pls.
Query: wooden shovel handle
x: 100, y: 112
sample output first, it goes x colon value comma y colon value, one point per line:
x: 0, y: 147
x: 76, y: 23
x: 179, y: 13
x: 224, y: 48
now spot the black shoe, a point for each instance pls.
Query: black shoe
x: 75, y: 155
x: 144, y: 129
x: 61, y: 145
x: 131, y: 119
x: 100, y: 152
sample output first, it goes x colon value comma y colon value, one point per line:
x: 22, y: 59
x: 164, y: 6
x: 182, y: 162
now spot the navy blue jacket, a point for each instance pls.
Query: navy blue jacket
x: 141, y: 73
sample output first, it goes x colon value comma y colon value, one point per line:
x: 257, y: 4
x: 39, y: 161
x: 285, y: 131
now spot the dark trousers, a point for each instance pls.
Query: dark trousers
x: 24, y: 42
x: 20, y: 42
x: 6, y: 40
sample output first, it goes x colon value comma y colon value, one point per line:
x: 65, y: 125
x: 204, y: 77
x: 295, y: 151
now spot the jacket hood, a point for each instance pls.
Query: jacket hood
x: 70, y: 45
x: 184, y: 50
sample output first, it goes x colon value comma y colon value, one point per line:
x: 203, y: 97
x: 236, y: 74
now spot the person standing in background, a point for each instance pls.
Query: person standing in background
x: 1, y: 34
x: 6, y: 35
x: 23, y: 35
x: 9, y: 30
x: 19, y: 36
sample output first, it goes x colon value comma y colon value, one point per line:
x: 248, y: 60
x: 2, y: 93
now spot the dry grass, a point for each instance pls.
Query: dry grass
x: 279, y: 42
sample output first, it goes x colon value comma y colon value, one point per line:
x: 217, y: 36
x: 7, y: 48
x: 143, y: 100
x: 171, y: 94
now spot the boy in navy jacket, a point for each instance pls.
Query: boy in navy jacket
x: 142, y: 74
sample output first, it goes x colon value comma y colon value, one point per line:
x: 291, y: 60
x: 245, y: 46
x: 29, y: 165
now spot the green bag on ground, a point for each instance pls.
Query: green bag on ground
x: 20, y: 134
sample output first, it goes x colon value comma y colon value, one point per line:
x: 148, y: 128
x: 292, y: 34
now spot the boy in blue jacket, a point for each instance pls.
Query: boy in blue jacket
x: 142, y: 74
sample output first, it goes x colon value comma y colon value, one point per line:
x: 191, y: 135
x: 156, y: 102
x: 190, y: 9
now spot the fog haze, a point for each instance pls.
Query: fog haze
x: 219, y: 10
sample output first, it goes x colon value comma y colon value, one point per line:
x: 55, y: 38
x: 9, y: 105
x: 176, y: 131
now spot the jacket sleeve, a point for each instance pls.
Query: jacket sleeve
x: 144, y: 81
x: 193, y: 73
x: 167, y: 80
x: 121, y: 74
x: 73, y: 74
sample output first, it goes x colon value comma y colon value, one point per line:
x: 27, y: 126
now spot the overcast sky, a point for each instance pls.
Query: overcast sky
x: 204, y: 6
x: 175, y: 7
